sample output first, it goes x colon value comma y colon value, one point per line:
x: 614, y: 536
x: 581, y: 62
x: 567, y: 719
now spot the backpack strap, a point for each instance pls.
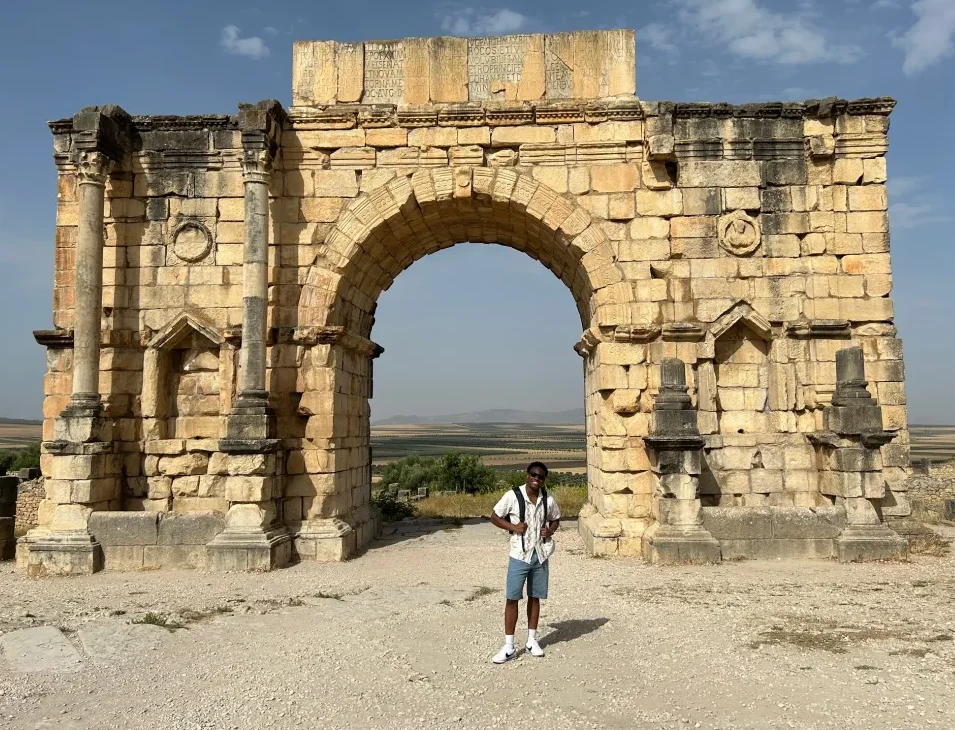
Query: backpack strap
x: 521, y: 509
x: 544, y: 497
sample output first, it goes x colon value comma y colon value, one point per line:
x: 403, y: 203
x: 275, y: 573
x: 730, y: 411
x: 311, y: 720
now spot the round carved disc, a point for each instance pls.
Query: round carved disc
x: 192, y: 242
x: 739, y: 233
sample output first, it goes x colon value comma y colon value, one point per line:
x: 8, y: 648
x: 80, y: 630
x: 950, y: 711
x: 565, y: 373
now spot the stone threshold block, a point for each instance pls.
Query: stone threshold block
x: 867, y: 543
x: 250, y: 551
x: 63, y: 553
x: 668, y: 545
x: 325, y: 541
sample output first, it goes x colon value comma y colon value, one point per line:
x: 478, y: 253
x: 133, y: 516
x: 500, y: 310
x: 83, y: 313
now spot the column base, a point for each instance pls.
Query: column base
x: 326, y: 541
x: 865, y: 543
x: 691, y: 545
x: 262, y: 550
x: 251, y: 419
x: 61, y: 553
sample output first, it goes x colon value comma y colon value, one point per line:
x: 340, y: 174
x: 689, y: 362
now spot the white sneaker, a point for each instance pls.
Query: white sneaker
x: 534, y: 648
x: 503, y: 655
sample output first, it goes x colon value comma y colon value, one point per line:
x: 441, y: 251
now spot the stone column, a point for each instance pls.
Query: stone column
x: 851, y: 464
x: 251, y: 417
x: 254, y: 537
x: 82, y: 469
x: 676, y: 457
x: 92, y: 169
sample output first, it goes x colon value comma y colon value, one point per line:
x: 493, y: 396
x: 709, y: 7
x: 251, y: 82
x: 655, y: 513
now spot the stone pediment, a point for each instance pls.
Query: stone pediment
x: 742, y: 312
x: 181, y: 327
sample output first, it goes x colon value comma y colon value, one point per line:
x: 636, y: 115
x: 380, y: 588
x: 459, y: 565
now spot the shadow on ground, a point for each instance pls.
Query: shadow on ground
x: 393, y: 533
x: 571, y: 630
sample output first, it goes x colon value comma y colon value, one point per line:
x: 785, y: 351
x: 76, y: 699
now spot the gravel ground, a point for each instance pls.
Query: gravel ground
x: 402, y: 638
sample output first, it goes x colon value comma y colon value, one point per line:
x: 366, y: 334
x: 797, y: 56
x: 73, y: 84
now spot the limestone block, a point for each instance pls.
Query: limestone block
x: 241, y: 464
x: 249, y: 488
x: 124, y: 528
x: 614, y: 178
x: 867, y: 222
x: 185, y: 487
x: 508, y: 136
x: 336, y: 183
x: 158, y: 487
x: 386, y: 137
x: 860, y: 511
x: 868, y: 197
x: 874, y: 170
x: 847, y: 171
x: 188, y: 464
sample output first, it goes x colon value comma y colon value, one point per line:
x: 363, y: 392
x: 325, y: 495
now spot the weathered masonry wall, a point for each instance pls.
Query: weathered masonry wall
x: 243, y: 257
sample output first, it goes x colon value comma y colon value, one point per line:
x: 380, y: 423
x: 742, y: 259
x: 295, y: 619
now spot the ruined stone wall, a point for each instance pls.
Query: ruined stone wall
x: 749, y: 241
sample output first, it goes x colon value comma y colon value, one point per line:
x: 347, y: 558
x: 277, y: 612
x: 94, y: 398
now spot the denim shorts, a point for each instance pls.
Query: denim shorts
x: 535, y: 574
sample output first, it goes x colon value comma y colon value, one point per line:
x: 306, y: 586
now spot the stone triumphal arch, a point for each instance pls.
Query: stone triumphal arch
x: 210, y: 362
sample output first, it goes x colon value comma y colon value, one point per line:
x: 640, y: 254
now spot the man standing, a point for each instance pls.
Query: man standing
x: 532, y: 517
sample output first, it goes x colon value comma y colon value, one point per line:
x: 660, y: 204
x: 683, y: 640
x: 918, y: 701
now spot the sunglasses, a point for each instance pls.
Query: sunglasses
x: 537, y: 475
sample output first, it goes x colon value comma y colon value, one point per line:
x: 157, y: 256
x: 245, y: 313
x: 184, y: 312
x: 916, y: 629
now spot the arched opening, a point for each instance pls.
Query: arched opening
x: 376, y: 238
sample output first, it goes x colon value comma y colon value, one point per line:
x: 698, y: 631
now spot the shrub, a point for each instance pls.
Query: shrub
x: 451, y: 472
x: 392, y: 510
x: 14, y: 460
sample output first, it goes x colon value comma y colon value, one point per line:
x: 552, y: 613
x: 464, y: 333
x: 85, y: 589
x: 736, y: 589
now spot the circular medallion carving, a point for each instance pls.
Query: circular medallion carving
x: 192, y: 242
x: 739, y: 233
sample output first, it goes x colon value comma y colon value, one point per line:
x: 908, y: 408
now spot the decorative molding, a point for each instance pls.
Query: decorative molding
x: 54, y: 339
x: 683, y: 332
x: 636, y: 332
x: 820, y: 328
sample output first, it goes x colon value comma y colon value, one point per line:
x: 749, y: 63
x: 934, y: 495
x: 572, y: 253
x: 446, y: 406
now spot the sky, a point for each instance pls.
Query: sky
x: 481, y: 326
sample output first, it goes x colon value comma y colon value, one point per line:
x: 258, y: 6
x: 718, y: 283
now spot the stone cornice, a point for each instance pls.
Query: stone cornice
x: 348, y: 116
x: 311, y: 336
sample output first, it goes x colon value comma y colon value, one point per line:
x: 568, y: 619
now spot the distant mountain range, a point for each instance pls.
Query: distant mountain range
x: 20, y: 421
x: 493, y: 415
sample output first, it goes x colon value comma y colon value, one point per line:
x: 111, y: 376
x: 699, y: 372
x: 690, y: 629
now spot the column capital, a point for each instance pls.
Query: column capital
x: 261, y: 126
x: 92, y: 167
x: 256, y: 163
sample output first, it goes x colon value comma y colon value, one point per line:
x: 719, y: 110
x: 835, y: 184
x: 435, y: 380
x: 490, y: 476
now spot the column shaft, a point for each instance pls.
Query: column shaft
x: 89, y: 279
x: 255, y: 287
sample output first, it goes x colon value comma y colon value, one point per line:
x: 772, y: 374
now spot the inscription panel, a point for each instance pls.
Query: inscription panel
x: 384, y: 73
x: 558, y: 78
x: 494, y: 60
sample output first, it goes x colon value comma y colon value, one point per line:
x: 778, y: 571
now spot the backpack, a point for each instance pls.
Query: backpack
x: 522, y: 508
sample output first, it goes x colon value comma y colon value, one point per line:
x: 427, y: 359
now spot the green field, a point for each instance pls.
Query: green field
x: 502, y: 445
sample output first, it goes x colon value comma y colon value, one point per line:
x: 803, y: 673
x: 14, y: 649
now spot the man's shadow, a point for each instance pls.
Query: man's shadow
x: 571, y: 629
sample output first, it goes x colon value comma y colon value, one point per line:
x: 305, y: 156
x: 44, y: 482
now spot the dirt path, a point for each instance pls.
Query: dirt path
x: 402, y: 638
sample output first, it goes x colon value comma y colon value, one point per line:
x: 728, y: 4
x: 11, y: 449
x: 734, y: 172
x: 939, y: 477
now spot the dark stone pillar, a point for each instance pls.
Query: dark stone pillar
x: 851, y: 464
x: 676, y: 449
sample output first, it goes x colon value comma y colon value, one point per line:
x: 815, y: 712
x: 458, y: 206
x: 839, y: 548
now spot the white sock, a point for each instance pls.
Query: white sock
x: 509, y: 641
x: 531, y: 635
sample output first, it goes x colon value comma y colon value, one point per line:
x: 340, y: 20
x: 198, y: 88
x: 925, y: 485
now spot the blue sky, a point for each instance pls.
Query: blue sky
x: 483, y: 326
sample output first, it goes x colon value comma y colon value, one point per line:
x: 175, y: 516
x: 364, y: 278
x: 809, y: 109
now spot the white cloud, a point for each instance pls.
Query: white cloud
x: 270, y: 30
x: 252, y: 47
x: 886, y: 5
x: 908, y: 214
x: 469, y: 21
x: 797, y: 93
x: 931, y: 38
x: 659, y: 37
x: 750, y: 30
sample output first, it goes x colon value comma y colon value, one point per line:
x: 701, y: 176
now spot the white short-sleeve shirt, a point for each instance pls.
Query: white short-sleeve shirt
x: 508, y: 508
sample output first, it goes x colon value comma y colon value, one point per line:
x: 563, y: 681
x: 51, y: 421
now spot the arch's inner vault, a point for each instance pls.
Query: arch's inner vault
x: 210, y: 362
